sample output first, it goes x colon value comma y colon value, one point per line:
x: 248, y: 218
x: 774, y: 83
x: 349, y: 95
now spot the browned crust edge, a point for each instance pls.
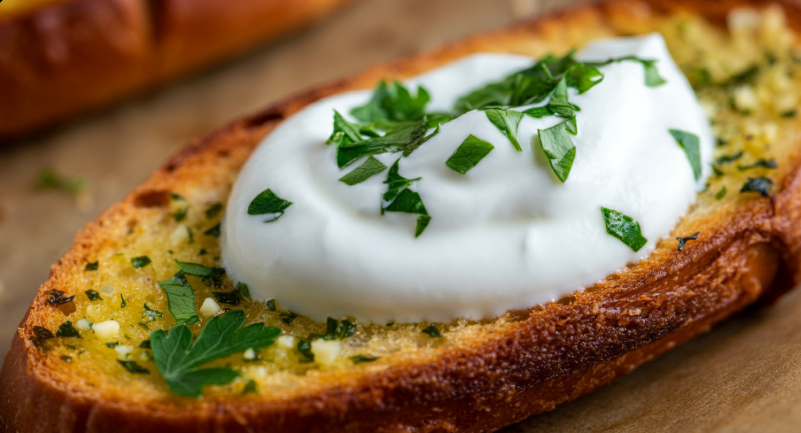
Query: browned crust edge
x: 76, y: 55
x: 552, y: 354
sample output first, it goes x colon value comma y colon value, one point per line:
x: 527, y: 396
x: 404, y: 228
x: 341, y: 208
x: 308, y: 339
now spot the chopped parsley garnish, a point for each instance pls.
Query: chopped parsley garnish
x: 175, y: 196
x: 304, y: 347
x: 57, y: 297
x: 140, y: 262
x: 358, y: 359
x: 214, y: 231
x: 689, y: 143
x: 683, y: 240
x: 789, y: 114
x: 271, y: 305
x: 197, y: 270
x: 558, y: 105
x: 50, y: 179
x: 92, y: 266
x: 180, y: 214
x: 558, y: 148
x: 230, y: 298
x: 762, y: 185
x: 244, y: 290
x: 40, y: 335
x: 623, y: 228
x: 761, y: 163
x: 113, y: 344
x: 67, y: 330
x: 722, y: 193
x: 652, y: 77
x: 250, y: 387
x: 288, y: 317
x: 344, y: 132
x: 180, y: 299
x: 145, y: 344
x: 726, y: 159
x: 151, y: 314
x: 392, y: 102
x: 363, y: 172
x: 123, y: 303
x: 267, y: 203
x: 432, y: 331
x: 213, y: 210
x: 538, y: 112
x: 507, y: 121
x: 133, y: 367
x: 336, y: 330
x: 93, y: 295
x: 399, y: 198
x: 178, y: 359
x: 469, y: 153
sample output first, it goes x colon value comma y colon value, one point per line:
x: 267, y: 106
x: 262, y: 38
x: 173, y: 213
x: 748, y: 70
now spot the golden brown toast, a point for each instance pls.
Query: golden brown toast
x: 482, y: 375
x: 59, y: 58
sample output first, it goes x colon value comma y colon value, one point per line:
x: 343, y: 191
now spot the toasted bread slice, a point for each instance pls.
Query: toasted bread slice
x: 481, y: 375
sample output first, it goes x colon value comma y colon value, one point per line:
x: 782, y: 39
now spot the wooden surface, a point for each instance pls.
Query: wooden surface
x: 744, y: 375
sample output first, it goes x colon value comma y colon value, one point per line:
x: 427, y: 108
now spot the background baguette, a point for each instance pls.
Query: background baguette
x: 64, y: 57
x: 742, y: 253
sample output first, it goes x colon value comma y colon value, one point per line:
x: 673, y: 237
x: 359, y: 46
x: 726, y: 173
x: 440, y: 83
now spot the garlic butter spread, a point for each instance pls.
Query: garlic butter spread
x: 600, y: 176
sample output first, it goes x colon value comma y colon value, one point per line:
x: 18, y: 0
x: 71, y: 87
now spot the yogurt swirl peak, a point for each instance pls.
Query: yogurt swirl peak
x: 506, y: 234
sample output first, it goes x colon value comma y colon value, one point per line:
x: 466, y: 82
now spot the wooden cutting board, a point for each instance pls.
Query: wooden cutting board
x: 744, y: 375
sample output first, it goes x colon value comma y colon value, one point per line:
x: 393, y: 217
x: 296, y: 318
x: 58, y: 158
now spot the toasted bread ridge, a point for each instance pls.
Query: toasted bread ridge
x: 483, y: 375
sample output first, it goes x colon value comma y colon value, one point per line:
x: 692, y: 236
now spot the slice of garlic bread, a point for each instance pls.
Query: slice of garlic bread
x: 89, y: 355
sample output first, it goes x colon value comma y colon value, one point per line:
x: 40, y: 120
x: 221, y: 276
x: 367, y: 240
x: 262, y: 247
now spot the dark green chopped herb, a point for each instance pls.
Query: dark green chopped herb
x: 151, y: 313
x: 789, y: 114
x: 174, y: 196
x: 190, y: 236
x: 214, y: 231
x: 762, y: 185
x: 689, y: 143
x: 288, y: 317
x: 761, y: 163
x: 145, y: 344
x: 304, y: 347
x: 180, y: 299
x: 213, y: 210
x: 344, y: 132
x: 66, y: 359
x: 57, y: 297
x: 50, y: 179
x: 92, y: 266
x: 213, y: 282
x: 179, y: 359
x: 703, y: 77
x: 202, y: 252
x: 469, y: 153
x: 558, y: 148
x: 243, y: 290
x: 417, y: 142
x: 93, y: 295
x: 198, y: 270
x: 337, y: 330
x: 271, y: 305
x: 718, y: 172
x: 507, y: 121
x: 747, y: 76
x: 143, y: 326
x: 363, y: 172
x: 133, y: 367
x: 559, y: 104
x: 123, y: 304
x: 393, y: 102
x: 230, y: 298
x: 399, y: 198
x: 571, y: 126
x: 67, y: 330
x: 250, y: 387
x: 583, y: 77
x: 422, y: 223
x: 180, y: 214
x: 400, y: 136
x: 267, y: 203
x: 432, y: 331
x: 652, y: 77
x: 140, y: 262
x: 112, y: 345
x: 726, y: 159
x: 538, y: 112
x: 358, y: 359
x: 41, y: 333
x: 623, y: 228
x: 720, y: 194
x: 683, y: 240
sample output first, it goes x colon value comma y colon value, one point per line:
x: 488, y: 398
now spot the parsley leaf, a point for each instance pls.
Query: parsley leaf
x: 140, y: 262
x: 721, y: 193
x: 214, y: 231
x: 399, y: 136
x: 393, y: 102
x: 123, y: 302
x: 230, y: 298
x: 507, y: 121
x: 538, y: 112
x: 268, y: 203
x: 67, y: 330
x: 559, y: 104
x: 243, y: 290
x: 652, y: 77
x: 689, y: 143
x: 763, y: 163
x: 396, y: 185
x: 358, y: 359
x: 271, y: 305
x: 469, y: 153
x: 623, y: 228
x: 683, y: 240
x: 92, y: 266
x: 583, y: 77
x: 197, y: 270
x: 178, y: 359
x: 363, y: 172
x: 151, y: 313
x: 180, y: 299
x: 336, y: 330
x: 93, y: 295
x: 133, y: 367
x: 432, y: 331
x: 558, y: 148
x: 213, y: 210
x: 344, y: 132
x: 725, y: 159
x: 762, y: 185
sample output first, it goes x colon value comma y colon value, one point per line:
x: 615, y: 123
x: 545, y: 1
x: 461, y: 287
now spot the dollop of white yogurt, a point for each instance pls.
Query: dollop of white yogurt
x: 506, y: 235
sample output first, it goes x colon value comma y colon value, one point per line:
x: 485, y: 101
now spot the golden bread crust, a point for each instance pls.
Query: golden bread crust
x: 70, y: 56
x: 545, y: 356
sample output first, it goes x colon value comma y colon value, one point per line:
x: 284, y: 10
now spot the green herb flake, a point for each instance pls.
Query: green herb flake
x: 243, y: 290
x: 271, y: 305
x: 789, y: 114
x: 250, y: 387
x: 198, y: 270
x: 507, y: 121
x: 358, y: 359
x: 469, y: 153
x: 180, y: 299
x: 363, y: 172
x: 93, y: 295
x: 230, y: 298
x: 689, y: 143
x: 393, y: 102
x: 761, y: 185
x: 422, y: 223
x: 144, y: 344
x: 140, y: 262
x: 133, y: 367
x: 287, y: 317
x: 177, y: 197
x: 67, y: 330
x: 151, y: 314
x: 214, y: 231
x: 761, y: 163
x: 112, y: 345
x: 50, y: 179
x: 213, y: 210
x: 92, y: 266
x: 683, y: 240
x: 558, y: 148
x: 66, y: 359
x: 559, y: 105
x: 652, y: 77
x: 180, y: 214
x: 179, y: 359
x: 583, y: 77
x: 720, y: 194
x: 268, y: 203
x: 338, y: 330
x: 726, y: 159
x: 538, y: 112
x: 624, y: 228
x: 123, y: 303
x: 304, y: 347
x: 432, y: 331
x: 344, y: 132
